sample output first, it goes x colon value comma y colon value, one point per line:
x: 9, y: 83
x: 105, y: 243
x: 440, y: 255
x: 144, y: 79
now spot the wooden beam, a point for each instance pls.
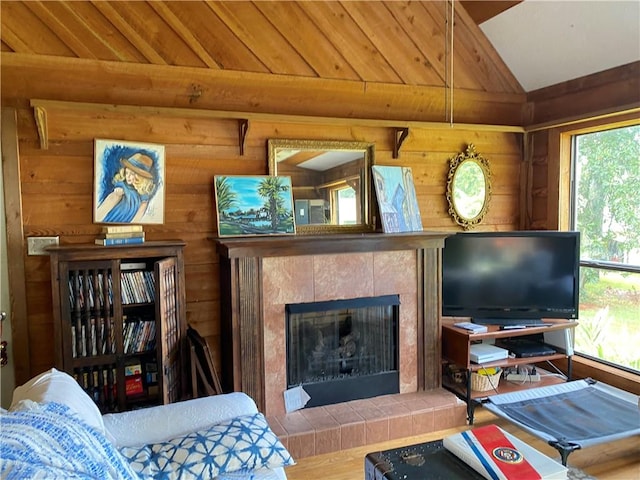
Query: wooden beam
x: 261, y: 117
x: 15, y: 246
x: 121, y: 83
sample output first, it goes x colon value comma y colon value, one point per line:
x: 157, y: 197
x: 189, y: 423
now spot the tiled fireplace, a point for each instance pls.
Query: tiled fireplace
x: 343, y: 350
x: 319, y: 278
x: 262, y: 277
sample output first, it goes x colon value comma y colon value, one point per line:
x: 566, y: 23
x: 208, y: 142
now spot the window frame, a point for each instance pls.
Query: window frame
x: 569, y: 138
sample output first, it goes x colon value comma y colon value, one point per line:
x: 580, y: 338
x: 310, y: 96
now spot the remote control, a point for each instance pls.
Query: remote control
x: 472, y: 327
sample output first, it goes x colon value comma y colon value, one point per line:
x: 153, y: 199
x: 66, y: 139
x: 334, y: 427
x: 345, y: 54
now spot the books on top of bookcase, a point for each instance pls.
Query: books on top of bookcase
x: 120, y: 235
x: 496, y: 454
x: 120, y: 241
x: 121, y: 228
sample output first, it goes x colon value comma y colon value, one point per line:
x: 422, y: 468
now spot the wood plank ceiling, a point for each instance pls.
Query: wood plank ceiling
x: 390, y: 42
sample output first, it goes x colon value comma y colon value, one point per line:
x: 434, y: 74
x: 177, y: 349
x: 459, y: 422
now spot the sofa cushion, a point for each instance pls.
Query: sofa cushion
x: 60, y: 387
x: 51, y: 441
x: 243, y: 443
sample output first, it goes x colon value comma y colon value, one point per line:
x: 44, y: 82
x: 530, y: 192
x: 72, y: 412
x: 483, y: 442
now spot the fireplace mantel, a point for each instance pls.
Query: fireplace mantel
x: 243, y: 304
x: 285, y: 246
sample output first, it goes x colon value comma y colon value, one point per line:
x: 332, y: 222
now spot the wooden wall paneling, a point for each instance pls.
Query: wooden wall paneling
x: 85, y: 21
x: 71, y: 33
x: 550, y: 150
x: 185, y: 87
x: 20, y: 334
x: 44, y: 41
x: 311, y: 42
x: 196, y: 150
x: 165, y: 48
x: 262, y: 39
x: 392, y: 42
x: 611, y: 91
x: 223, y: 48
x: 345, y: 35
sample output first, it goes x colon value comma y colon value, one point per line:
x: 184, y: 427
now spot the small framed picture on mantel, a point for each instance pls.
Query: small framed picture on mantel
x: 250, y: 205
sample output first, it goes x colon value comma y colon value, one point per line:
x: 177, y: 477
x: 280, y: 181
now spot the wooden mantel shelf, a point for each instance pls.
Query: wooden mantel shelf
x: 282, y: 246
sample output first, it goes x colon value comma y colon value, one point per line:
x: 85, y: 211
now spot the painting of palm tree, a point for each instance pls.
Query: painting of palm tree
x: 254, y: 205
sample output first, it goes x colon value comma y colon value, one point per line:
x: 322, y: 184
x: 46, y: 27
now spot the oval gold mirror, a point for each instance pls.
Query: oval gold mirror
x: 468, y: 188
x: 330, y: 182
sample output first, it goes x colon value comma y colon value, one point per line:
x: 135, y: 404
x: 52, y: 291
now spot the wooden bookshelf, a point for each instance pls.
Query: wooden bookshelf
x: 119, y: 307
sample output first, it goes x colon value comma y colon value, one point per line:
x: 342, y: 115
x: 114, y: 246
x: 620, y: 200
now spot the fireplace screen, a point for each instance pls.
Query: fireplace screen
x: 343, y: 349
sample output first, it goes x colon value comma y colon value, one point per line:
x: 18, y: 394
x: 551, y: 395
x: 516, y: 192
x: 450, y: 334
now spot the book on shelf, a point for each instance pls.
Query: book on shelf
x: 496, y: 454
x: 121, y: 228
x: 133, y: 379
x: 122, y: 235
x: 133, y: 266
x: 119, y: 241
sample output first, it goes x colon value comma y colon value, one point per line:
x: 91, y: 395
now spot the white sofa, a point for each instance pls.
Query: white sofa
x: 54, y: 430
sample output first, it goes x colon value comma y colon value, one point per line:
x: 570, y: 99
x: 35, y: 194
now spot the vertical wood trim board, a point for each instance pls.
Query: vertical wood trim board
x: 251, y: 328
x: 19, y: 342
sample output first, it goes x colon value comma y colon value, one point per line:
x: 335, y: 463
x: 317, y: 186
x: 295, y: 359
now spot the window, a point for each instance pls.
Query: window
x: 606, y: 210
x: 345, y: 205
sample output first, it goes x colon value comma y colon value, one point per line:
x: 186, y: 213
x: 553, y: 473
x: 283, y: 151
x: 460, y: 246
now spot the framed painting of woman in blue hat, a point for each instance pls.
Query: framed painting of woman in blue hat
x: 129, y: 182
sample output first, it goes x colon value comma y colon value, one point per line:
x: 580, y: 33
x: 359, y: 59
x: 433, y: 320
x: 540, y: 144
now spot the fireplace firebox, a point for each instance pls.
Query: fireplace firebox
x: 343, y: 350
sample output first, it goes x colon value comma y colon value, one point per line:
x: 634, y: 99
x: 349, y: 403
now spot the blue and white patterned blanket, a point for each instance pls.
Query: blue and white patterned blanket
x: 48, y: 441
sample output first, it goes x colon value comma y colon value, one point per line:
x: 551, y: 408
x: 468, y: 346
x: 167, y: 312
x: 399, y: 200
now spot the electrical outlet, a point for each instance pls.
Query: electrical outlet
x: 523, y: 377
x: 38, y: 245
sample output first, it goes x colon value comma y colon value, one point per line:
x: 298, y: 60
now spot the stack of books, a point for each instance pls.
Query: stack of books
x: 121, y: 235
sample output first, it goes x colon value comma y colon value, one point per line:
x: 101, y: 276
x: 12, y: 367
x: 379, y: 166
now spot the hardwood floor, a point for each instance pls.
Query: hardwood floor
x: 619, y: 460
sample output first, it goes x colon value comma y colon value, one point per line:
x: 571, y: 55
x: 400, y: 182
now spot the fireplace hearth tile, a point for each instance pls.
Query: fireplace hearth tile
x: 447, y: 417
x: 400, y: 426
x: 363, y: 422
x: 376, y: 430
x: 302, y: 445
x: 345, y: 416
x: 352, y: 435
x: 319, y: 418
x: 295, y: 423
x: 386, y: 400
x: 328, y: 440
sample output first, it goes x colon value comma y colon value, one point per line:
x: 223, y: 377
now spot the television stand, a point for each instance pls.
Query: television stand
x: 456, y: 346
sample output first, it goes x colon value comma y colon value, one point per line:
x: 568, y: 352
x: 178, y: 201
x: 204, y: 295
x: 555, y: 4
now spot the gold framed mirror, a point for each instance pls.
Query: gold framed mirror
x: 468, y: 188
x: 331, y: 183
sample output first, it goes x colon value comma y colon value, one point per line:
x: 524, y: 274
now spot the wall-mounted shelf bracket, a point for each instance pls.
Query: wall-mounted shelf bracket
x: 43, y: 129
x: 400, y: 134
x: 243, y: 130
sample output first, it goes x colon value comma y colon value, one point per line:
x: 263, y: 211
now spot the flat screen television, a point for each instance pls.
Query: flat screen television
x: 511, y: 276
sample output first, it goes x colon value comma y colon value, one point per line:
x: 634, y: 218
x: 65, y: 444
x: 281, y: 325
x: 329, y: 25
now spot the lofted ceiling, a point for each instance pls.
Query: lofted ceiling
x: 388, y: 42
x: 499, y: 46
x: 548, y: 42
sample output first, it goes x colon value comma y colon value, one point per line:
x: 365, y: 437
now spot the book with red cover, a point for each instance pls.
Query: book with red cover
x: 498, y: 455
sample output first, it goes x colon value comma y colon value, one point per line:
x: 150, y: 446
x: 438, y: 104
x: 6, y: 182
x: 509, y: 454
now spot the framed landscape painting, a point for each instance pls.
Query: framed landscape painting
x: 128, y: 182
x: 254, y: 205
